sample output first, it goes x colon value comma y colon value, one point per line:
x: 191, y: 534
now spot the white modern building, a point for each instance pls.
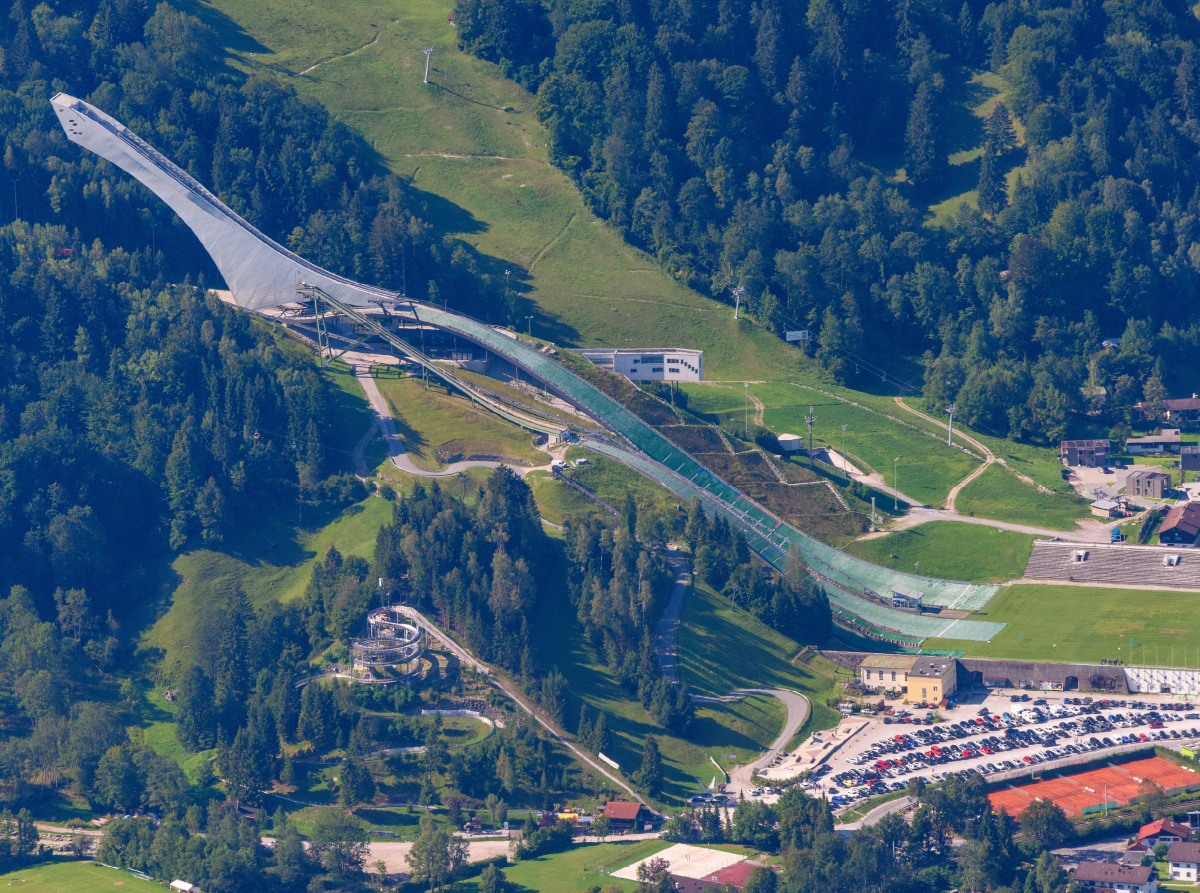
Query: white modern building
x: 650, y: 364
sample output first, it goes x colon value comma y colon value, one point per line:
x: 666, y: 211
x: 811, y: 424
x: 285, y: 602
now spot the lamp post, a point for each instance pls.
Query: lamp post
x: 896, y: 484
x: 845, y: 461
x: 428, y: 55
x: 529, y: 324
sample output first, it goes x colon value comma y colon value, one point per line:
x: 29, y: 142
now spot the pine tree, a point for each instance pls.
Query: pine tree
x: 357, y: 785
x: 585, y: 733
x: 992, y: 195
x: 649, y: 776
x: 921, y: 156
x: 1000, y: 130
x: 600, y: 738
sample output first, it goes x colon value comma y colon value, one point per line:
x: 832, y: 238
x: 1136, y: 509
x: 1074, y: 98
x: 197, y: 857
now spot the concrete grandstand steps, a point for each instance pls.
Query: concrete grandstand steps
x: 1127, y: 565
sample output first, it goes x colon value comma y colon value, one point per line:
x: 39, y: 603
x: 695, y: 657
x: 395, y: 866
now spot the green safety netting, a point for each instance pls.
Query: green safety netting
x: 768, y: 535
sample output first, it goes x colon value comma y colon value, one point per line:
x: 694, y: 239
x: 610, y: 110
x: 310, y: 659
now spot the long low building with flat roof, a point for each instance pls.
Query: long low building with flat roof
x: 650, y: 364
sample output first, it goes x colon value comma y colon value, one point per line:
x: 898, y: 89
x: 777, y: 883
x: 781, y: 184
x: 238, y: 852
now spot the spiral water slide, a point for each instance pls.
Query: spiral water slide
x: 261, y: 274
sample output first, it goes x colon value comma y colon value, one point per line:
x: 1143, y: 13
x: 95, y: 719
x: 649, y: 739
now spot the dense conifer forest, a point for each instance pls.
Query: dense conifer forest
x: 791, y: 149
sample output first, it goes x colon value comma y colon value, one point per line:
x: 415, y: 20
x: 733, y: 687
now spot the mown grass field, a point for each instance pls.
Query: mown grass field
x: 928, y: 467
x: 1000, y: 495
x: 1079, y: 623
x: 429, y: 420
x: 576, y: 869
x: 557, y: 502
x: 951, y: 550
x: 62, y: 876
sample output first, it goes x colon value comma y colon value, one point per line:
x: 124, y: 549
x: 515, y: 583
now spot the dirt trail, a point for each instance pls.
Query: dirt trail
x: 758, y: 404
x: 378, y: 31
x: 988, y: 456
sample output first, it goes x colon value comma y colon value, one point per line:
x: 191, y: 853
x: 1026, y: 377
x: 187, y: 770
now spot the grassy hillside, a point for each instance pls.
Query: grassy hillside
x: 435, y: 424
x: 202, y: 577
x: 952, y: 550
x: 1079, y: 623
x: 469, y: 140
x: 928, y: 468
x: 1002, y: 496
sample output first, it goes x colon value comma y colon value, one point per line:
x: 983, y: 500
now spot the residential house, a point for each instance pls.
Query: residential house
x: 1168, y: 441
x: 1150, y: 484
x: 624, y: 815
x: 1177, y: 412
x: 884, y: 672
x: 1084, y: 453
x: 1183, y: 860
x: 1161, y: 831
x: 1113, y: 876
x: 1181, y: 526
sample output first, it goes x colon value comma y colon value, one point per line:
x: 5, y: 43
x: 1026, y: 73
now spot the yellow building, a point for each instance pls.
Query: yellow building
x: 932, y: 678
x: 923, y: 679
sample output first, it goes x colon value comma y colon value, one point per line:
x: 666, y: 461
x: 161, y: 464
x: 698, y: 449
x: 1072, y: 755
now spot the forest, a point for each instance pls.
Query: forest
x: 790, y: 150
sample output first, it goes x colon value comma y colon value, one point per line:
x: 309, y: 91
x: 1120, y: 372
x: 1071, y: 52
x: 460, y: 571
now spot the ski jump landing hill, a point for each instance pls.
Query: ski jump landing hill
x: 261, y: 273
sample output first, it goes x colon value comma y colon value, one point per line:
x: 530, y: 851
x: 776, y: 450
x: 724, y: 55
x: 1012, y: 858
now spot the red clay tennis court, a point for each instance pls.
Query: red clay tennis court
x: 1085, y: 792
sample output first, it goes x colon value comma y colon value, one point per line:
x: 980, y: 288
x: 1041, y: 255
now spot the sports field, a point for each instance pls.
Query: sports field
x: 1085, y: 792
x: 74, y: 877
x: 1086, y: 624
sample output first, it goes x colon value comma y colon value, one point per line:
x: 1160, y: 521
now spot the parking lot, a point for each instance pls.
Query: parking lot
x: 1002, y: 737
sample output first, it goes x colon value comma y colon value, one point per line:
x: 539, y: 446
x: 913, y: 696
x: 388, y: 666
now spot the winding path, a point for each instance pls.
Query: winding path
x: 395, y: 445
x: 668, y: 660
x: 797, y: 712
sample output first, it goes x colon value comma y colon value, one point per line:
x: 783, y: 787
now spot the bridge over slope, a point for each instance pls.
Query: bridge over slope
x: 261, y: 273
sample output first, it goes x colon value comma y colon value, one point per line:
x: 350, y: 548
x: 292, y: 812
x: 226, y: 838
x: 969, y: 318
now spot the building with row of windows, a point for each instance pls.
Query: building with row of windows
x: 928, y: 680
x: 650, y: 364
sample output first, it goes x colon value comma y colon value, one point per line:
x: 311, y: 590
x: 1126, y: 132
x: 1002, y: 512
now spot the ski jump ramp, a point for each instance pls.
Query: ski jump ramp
x: 261, y: 273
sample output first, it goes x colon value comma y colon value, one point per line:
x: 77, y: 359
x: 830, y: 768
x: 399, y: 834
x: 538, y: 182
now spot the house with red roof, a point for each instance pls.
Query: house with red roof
x: 624, y: 815
x: 1160, y: 831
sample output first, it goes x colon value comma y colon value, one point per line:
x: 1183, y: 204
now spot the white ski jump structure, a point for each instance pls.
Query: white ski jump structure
x: 261, y: 273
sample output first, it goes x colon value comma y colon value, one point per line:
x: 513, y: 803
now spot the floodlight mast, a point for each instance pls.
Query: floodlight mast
x: 428, y: 54
x: 737, y: 295
x: 810, y: 418
x: 952, y: 409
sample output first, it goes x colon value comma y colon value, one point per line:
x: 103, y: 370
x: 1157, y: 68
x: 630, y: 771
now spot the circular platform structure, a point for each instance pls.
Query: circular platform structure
x: 391, y: 651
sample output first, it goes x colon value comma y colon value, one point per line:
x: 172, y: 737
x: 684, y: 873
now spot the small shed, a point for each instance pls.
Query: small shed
x: 790, y: 443
x: 184, y: 887
x: 1105, y: 508
x: 903, y: 597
